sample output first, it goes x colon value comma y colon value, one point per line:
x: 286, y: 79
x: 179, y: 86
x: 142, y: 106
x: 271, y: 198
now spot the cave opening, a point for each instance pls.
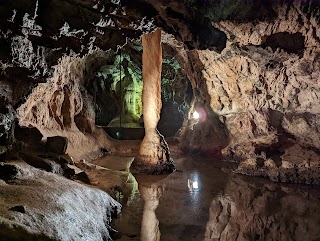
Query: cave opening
x: 117, y: 94
x: 116, y: 90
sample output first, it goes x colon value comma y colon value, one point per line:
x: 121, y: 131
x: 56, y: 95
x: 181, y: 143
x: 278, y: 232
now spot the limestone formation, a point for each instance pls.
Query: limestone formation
x: 62, y: 107
x: 263, y: 89
x: 154, y: 156
x: 253, y: 67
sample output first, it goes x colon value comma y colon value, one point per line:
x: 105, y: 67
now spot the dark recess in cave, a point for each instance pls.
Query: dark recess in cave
x: 8, y: 171
x: 212, y: 38
x: 4, y: 49
x: 292, y: 43
x: 239, y: 11
x: 174, y: 109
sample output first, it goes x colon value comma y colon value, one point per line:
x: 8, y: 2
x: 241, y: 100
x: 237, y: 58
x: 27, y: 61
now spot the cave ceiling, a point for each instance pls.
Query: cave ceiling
x: 77, y: 24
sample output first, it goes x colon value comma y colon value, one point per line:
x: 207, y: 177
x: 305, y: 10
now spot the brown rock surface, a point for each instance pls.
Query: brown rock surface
x: 262, y: 89
x: 296, y: 165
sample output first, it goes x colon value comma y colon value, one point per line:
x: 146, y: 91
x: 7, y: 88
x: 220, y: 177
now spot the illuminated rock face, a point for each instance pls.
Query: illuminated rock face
x: 154, y: 155
x: 54, y: 105
x: 151, y: 74
x: 62, y: 107
x: 118, y: 86
x: 263, y: 90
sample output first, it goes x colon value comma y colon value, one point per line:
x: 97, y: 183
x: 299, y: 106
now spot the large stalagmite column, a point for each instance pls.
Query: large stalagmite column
x: 154, y: 155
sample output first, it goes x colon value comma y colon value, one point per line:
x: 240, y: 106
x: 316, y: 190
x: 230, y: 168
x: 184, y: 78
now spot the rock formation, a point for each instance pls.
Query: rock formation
x: 37, y: 205
x: 262, y: 90
x: 119, y: 82
x: 61, y: 106
x: 154, y: 156
x: 253, y: 68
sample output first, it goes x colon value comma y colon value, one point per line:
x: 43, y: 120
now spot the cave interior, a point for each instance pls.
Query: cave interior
x: 159, y: 120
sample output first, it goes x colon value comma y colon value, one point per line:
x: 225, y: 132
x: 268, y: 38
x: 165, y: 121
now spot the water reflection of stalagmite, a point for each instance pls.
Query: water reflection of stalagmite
x: 263, y: 211
x: 150, y: 224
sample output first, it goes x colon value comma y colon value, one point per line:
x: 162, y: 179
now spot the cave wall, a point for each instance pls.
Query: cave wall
x: 263, y: 90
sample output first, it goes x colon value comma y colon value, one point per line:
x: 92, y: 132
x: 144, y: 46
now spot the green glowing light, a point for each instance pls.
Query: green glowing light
x: 118, y: 134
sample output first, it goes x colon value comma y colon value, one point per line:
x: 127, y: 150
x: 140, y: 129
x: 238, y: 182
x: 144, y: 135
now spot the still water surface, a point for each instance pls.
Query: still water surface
x: 205, y: 200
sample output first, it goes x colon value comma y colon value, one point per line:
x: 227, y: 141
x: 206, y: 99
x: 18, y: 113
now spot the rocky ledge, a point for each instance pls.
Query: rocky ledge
x: 38, y: 205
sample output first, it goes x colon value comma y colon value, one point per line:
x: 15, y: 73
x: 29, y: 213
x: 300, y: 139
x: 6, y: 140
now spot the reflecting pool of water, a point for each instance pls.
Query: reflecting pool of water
x: 205, y: 200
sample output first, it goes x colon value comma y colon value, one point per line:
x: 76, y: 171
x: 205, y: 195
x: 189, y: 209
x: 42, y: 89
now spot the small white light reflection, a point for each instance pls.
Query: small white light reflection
x: 192, y: 185
x: 195, y: 185
x: 195, y: 115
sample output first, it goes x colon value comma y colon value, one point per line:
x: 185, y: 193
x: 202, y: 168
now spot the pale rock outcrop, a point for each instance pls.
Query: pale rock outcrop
x: 62, y: 107
x: 37, y: 205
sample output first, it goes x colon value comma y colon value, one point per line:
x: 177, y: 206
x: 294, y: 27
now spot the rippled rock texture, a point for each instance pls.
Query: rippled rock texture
x: 61, y: 106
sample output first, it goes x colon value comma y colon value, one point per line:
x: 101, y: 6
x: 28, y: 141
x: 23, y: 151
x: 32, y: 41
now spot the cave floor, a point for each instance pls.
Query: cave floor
x: 183, y: 206
x: 205, y: 200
